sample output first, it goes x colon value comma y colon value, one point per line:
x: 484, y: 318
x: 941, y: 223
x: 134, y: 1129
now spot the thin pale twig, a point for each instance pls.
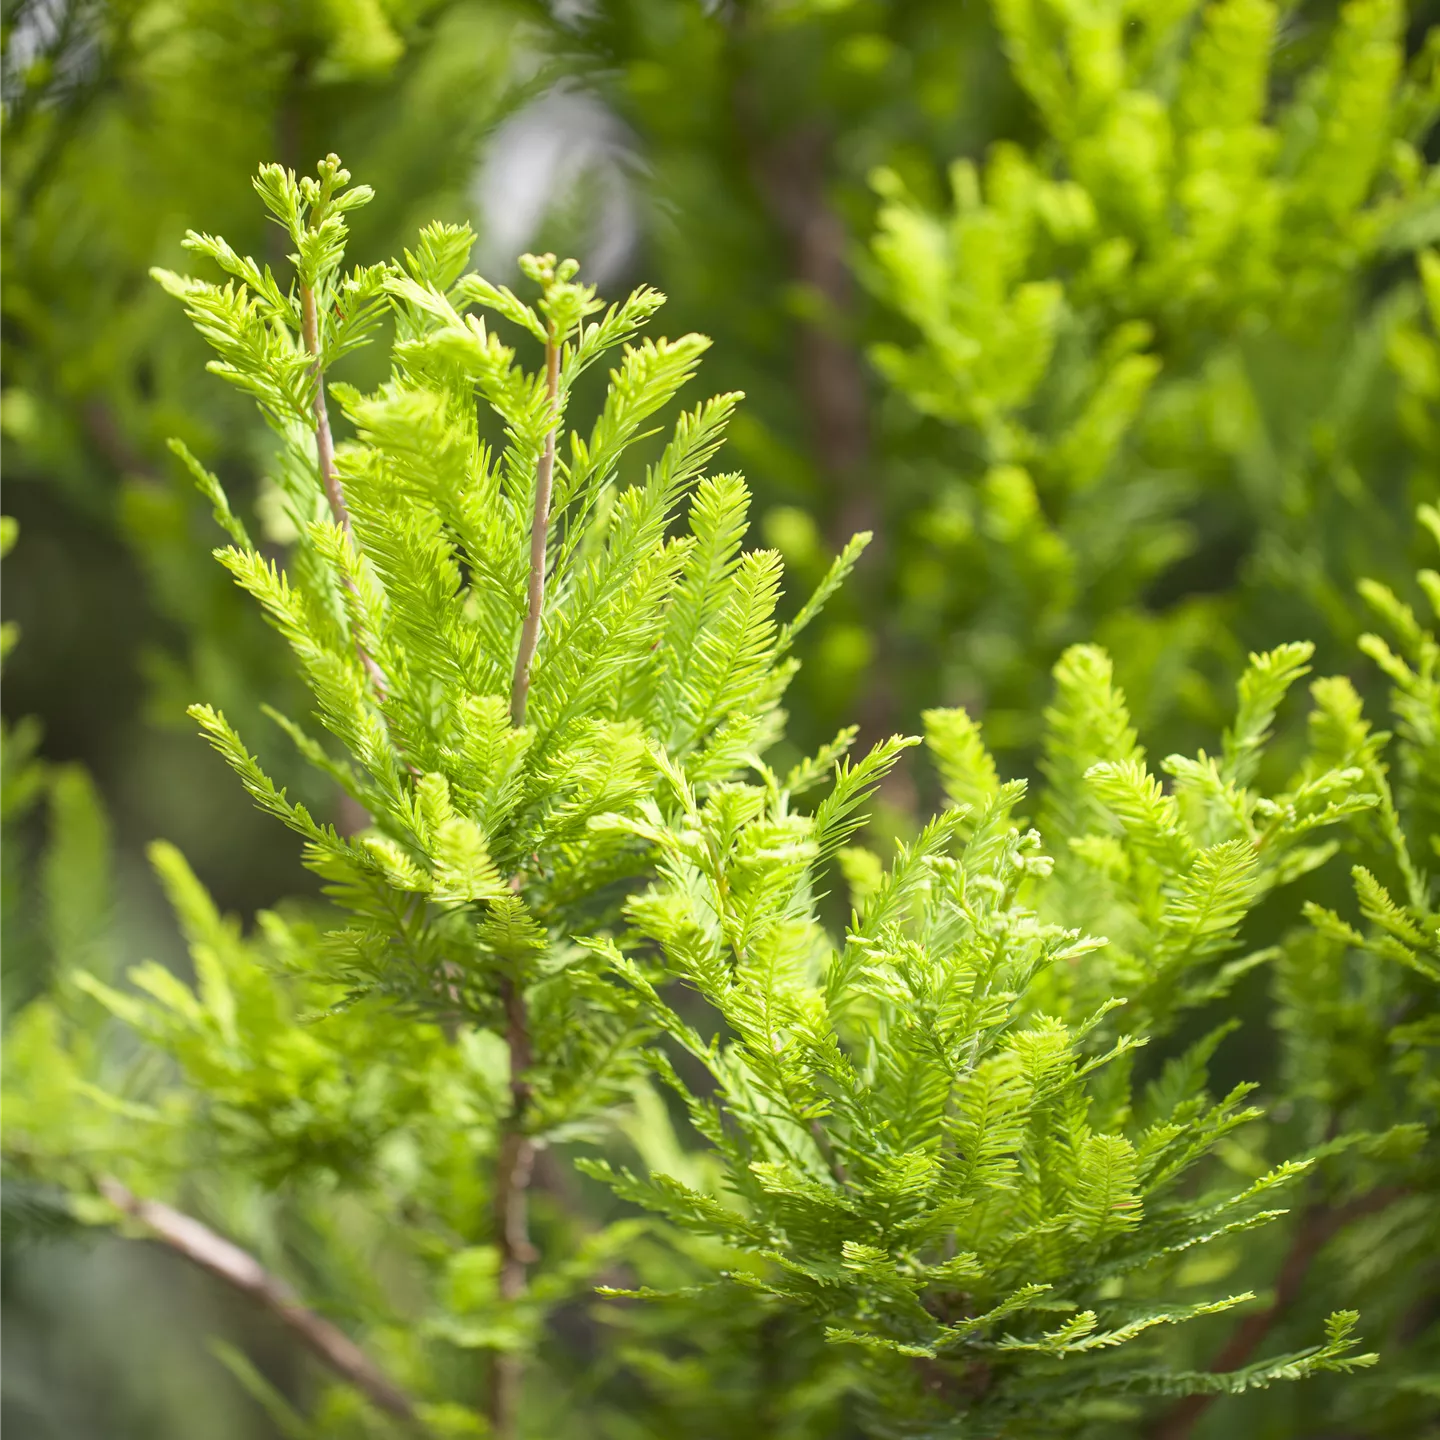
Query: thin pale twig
x: 218, y: 1256
x: 325, y: 451
x: 539, y: 537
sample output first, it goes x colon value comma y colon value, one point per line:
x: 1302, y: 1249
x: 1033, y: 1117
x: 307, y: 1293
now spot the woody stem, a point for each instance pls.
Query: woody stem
x: 539, y: 535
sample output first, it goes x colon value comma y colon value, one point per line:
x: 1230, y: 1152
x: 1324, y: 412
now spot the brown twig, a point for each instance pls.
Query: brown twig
x: 104, y: 432
x: 325, y: 450
x: 1318, y: 1226
x: 228, y: 1262
x: 959, y: 1389
x: 513, y: 1170
x: 324, y: 441
x: 539, y: 535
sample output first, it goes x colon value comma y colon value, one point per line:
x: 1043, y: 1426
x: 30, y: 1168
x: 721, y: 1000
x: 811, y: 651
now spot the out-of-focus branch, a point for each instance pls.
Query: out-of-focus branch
x: 1320, y: 1225
x: 791, y: 171
x: 238, y: 1268
x: 792, y: 177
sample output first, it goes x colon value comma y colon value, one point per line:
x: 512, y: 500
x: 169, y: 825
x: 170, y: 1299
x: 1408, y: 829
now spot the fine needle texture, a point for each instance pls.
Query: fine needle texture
x: 580, y: 1049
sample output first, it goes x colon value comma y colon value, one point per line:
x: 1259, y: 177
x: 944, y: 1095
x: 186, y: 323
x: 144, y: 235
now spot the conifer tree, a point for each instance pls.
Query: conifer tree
x: 550, y: 678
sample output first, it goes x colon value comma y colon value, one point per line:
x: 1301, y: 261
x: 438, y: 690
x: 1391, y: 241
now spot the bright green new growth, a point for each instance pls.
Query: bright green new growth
x: 1103, y: 321
x: 504, y: 636
x: 931, y: 1129
x: 551, y: 677
x: 408, y: 595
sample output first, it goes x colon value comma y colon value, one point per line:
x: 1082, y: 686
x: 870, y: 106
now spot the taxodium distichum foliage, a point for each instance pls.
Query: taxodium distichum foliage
x: 1156, y: 349
x: 573, y: 932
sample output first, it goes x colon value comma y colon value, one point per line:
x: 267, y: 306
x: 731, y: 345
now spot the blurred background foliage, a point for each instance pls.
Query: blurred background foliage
x: 1109, y: 320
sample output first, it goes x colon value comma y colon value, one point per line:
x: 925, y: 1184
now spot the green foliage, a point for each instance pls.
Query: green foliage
x: 57, y: 908
x: 1356, y: 1005
x: 1114, y: 324
x: 931, y: 1136
x: 126, y: 121
x: 479, y: 862
x: 929, y: 1159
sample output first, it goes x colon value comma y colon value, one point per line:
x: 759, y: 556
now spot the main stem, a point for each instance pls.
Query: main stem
x: 325, y: 449
x: 517, y: 1151
x: 512, y: 1184
x: 539, y: 535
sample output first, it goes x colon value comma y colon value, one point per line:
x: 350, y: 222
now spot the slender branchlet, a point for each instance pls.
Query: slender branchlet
x: 238, y: 1268
x: 517, y: 1151
x: 324, y: 441
x: 539, y: 537
x: 325, y: 450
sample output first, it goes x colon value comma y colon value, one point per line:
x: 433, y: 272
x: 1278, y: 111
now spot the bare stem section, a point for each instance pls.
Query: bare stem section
x: 512, y: 1184
x: 325, y: 450
x: 238, y: 1268
x: 539, y: 534
x: 324, y: 441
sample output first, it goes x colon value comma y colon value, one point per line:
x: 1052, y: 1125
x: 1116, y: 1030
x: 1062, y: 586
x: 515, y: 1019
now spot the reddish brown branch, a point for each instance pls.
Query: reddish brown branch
x: 239, y: 1269
x: 325, y: 452
x: 790, y: 172
x: 958, y: 1387
x: 833, y: 384
x: 324, y: 441
x: 539, y: 535
x: 513, y: 1170
x: 106, y: 435
x: 1318, y: 1226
